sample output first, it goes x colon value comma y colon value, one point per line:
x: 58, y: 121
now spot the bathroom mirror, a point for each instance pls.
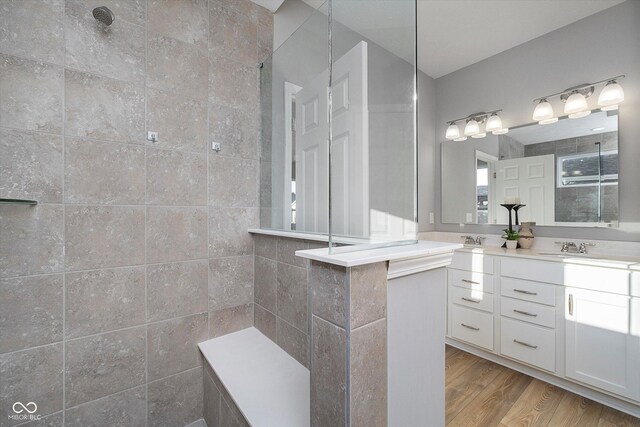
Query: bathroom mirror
x: 565, y: 173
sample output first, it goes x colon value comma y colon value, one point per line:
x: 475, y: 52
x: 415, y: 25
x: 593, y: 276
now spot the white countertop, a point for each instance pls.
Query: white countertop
x: 353, y: 255
x: 557, y: 256
x: 270, y: 388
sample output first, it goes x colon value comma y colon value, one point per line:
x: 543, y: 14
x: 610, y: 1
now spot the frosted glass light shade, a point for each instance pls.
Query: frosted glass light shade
x: 611, y: 95
x: 472, y: 128
x: 548, y: 121
x: 501, y: 131
x: 462, y: 138
x: 493, y: 123
x: 453, y: 131
x: 543, y: 111
x: 580, y: 114
x: 576, y: 103
x: 479, y: 135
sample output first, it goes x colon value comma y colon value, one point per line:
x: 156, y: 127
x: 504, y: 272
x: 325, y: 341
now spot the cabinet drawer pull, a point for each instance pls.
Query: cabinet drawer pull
x: 525, y: 313
x: 525, y: 344
x: 470, y: 281
x: 570, y: 305
x: 470, y: 300
x: 525, y: 292
x: 473, y: 328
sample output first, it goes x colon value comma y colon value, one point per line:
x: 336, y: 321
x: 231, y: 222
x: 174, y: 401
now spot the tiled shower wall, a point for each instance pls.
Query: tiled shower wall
x: 136, y: 250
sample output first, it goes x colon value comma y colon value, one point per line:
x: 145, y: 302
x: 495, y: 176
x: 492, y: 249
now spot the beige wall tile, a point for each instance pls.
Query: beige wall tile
x: 132, y: 11
x: 368, y: 285
x: 287, y: 251
x: 33, y: 29
x: 116, y: 51
x: 292, y: 295
x: 236, y: 129
x: 30, y: 311
x: 34, y: 374
x: 328, y: 375
x: 103, y: 236
x: 104, y: 364
x: 31, y: 94
x: 293, y: 341
x: 103, y: 300
x: 177, y: 289
x: 103, y: 172
x: 228, y: 235
x: 233, y: 182
x: 30, y: 166
x: 266, y: 246
x: 329, y: 292
x: 231, y: 319
x: 31, y: 240
x: 125, y: 409
x: 176, y: 66
x: 186, y: 20
x: 173, y: 345
x: 230, y: 282
x: 233, y: 84
x: 265, y: 322
x: 176, y: 400
x: 176, y: 178
x: 181, y: 122
x: 265, y: 283
x: 102, y: 108
x: 235, y: 33
x: 369, y: 375
x: 176, y: 234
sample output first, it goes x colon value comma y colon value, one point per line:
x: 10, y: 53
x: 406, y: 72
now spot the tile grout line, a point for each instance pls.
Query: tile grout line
x: 146, y: 308
x: 64, y: 221
x: 209, y: 66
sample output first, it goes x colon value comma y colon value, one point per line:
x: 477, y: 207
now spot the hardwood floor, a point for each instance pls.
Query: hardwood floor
x: 484, y: 394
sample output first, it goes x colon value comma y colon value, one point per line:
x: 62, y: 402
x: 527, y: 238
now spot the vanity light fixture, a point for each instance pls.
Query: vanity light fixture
x: 473, y: 124
x: 575, y: 99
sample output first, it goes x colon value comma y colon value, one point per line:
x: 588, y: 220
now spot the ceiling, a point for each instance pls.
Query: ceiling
x: 453, y: 34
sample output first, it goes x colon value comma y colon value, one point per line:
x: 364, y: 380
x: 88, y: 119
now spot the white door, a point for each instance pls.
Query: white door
x: 350, y: 155
x: 532, y: 179
x: 602, y: 346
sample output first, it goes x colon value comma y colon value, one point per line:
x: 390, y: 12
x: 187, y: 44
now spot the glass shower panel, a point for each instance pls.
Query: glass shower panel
x: 288, y: 118
x: 373, y: 121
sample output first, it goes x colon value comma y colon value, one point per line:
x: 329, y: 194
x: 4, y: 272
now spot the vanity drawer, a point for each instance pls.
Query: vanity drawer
x: 470, y: 298
x: 474, y: 327
x: 530, y: 344
x: 527, y: 290
x: 528, y: 311
x: 471, y: 280
x: 477, y: 262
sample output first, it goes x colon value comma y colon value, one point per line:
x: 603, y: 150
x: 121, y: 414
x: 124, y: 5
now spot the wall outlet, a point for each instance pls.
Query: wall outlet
x: 215, y: 146
x: 469, y: 217
x: 152, y: 136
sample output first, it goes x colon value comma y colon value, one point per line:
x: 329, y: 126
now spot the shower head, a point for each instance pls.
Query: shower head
x: 104, y: 15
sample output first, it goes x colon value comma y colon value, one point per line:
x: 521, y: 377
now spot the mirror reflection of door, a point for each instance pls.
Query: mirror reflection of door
x: 485, y: 211
x: 350, y: 158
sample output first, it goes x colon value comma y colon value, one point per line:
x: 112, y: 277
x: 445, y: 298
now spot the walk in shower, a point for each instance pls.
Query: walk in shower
x: 338, y: 119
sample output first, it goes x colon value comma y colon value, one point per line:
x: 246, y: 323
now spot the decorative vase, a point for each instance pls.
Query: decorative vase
x: 512, y: 244
x: 526, y: 235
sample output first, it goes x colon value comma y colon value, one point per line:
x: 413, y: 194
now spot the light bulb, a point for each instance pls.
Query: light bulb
x: 543, y: 111
x: 453, y: 131
x: 548, y: 121
x: 479, y: 135
x: 501, y: 131
x: 493, y: 123
x: 612, y: 94
x: 576, y: 103
x: 472, y: 128
x: 462, y: 138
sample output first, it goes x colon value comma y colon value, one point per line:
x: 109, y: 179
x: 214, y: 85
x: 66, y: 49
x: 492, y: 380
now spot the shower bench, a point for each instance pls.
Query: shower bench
x: 250, y: 381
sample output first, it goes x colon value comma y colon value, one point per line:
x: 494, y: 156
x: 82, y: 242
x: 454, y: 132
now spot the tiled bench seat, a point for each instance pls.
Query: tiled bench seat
x: 250, y: 381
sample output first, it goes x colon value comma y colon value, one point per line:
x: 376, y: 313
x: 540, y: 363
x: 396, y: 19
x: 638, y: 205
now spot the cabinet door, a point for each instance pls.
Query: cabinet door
x: 602, y: 344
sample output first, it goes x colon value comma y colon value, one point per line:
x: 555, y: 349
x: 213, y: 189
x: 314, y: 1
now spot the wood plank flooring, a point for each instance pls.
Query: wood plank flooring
x: 481, y: 393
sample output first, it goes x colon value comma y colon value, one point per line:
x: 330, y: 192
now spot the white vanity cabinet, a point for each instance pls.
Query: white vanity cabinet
x: 578, y: 322
x: 602, y: 343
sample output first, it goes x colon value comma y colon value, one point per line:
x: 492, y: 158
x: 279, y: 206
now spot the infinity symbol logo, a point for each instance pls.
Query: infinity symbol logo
x: 25, y: 407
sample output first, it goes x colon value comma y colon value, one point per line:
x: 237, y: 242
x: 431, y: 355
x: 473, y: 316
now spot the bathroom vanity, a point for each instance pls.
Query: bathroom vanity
x: 570, y: 320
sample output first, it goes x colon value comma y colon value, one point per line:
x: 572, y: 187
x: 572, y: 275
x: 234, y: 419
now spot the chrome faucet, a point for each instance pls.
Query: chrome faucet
x: 470, y: 240
x: 571, y: 247
x: 583, y: 247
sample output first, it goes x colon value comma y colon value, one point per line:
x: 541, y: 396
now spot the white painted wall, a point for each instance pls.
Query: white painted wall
x: 600, y: 46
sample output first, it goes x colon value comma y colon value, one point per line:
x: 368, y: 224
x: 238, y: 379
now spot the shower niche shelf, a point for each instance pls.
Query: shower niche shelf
x: 18, y: 202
